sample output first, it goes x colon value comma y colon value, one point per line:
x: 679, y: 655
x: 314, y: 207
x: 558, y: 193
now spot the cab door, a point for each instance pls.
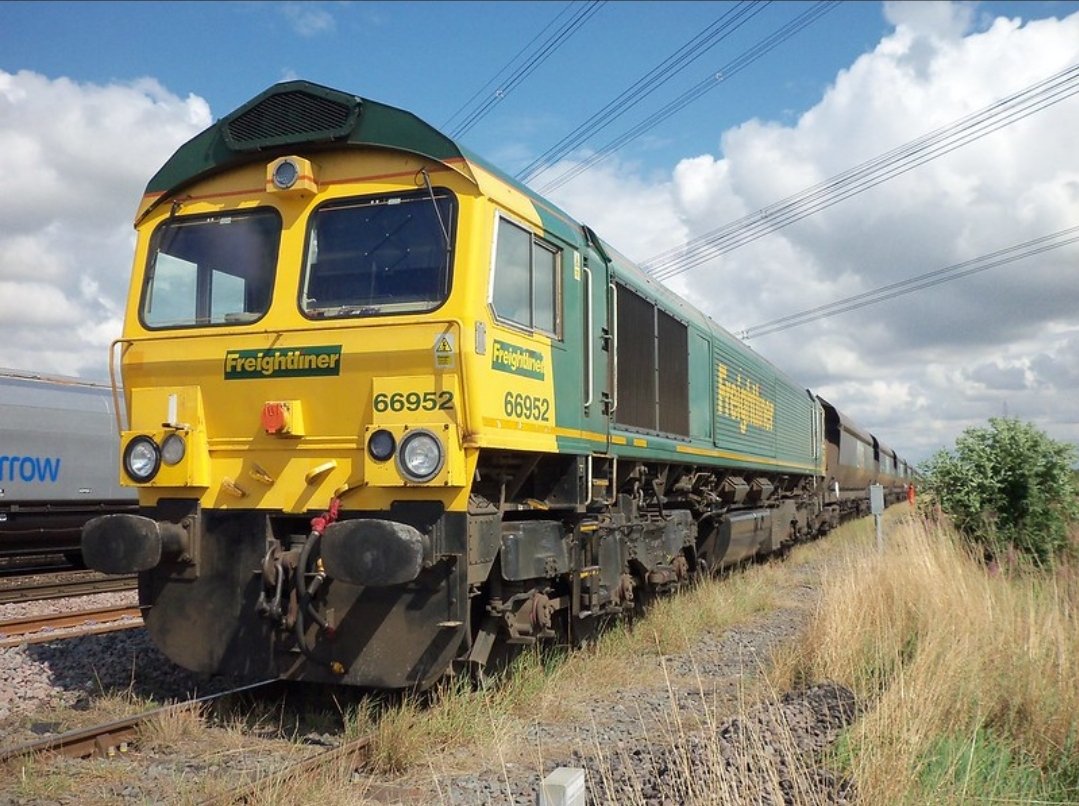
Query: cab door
x: 598, y: 344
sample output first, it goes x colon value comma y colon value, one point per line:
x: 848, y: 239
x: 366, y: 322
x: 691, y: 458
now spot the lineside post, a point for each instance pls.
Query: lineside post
x: 876, y: 506
x: 565, y: 786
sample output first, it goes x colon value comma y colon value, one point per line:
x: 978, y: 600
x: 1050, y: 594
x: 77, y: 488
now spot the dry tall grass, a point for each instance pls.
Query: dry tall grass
x: 971, y: 677
x: 556, y: 685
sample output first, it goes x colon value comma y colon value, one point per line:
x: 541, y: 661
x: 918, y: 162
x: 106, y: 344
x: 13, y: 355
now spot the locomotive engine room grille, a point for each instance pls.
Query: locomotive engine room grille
x: 290, y: 116
x: 672, y: 352
x: 653, y: 366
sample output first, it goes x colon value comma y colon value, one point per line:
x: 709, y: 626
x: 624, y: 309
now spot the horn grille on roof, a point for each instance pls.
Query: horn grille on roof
x: 290, y: 116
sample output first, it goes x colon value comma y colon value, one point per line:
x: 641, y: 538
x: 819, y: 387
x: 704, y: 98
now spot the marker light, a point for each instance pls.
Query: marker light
x: 381, y: 445
x: 173, y: 449
x: 142, y: 459
x: 420, y: 457
x: 291, y: 175
x: 285, y: 174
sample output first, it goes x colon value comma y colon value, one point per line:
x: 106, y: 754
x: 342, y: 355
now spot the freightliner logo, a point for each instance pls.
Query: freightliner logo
x: 517, y: 360
x: 287, y: 362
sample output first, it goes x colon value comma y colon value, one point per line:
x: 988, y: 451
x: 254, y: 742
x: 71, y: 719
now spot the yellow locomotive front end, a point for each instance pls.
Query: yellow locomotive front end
x: 294, y: 382
x: 268, y: 330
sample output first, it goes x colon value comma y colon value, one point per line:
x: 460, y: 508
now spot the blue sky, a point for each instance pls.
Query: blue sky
x: 95, y: 96
x: 430, y: 57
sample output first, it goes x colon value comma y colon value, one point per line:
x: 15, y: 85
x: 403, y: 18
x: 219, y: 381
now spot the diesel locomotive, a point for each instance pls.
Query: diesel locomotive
x: 390, y: 411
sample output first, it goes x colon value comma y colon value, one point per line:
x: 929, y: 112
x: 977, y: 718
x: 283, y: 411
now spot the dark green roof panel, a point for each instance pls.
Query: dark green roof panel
x: 292, y: 114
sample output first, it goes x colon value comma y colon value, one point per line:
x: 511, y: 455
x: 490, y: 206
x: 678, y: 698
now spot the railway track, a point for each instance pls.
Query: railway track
x: 122, y: 737
x: 113, y: 737
x: 89, y: 582
x: 29, y: 566
x: 357, y: 749
x: 39, y: 629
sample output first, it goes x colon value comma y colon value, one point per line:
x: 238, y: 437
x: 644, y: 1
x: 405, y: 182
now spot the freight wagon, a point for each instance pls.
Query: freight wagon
x: 59, y: 462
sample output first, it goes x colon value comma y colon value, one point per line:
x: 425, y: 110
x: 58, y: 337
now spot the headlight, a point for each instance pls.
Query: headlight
x: 142, y: 459
x: 173, y: 449
x: 381, y: 445
x: 420, y: 457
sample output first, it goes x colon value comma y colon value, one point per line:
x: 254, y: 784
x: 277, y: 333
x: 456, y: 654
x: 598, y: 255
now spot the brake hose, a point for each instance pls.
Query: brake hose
x: 303, y: 596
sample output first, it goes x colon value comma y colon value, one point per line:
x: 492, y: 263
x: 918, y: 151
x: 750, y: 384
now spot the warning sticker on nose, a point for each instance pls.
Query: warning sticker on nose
x: 445, y: 351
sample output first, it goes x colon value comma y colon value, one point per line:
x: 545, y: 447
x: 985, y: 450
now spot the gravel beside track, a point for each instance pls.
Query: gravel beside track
x: 68, y: 672
x: 69, y: 605
x: 69, y: 584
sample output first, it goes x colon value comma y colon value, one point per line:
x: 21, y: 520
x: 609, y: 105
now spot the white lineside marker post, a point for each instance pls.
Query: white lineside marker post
x: 563, y: 787
x: 876, y: 506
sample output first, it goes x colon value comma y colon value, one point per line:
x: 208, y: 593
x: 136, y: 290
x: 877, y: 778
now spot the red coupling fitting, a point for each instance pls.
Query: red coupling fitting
x: 319, y: 524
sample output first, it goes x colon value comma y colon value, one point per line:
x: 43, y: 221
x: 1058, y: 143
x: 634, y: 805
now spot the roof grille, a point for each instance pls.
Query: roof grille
x: 290, y: 117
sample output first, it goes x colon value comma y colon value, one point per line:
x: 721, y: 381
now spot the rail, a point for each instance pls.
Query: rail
x: 359, y: 749
x: 59, y: 590
x: 15, y: 566
x: 39, y: 629
x: 112, y: 737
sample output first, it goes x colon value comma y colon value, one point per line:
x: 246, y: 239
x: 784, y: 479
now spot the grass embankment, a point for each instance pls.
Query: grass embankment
x: 969, y: 677
x: 411, y: 733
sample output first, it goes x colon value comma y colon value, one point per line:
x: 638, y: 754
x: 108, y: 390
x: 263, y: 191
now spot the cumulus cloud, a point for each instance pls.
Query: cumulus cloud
x: 644, y: 216
x: 74, y: 160
x: 1057, y: 368
x: 918, y: 368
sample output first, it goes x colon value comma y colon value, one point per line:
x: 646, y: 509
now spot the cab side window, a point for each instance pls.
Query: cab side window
x: 525, y: 290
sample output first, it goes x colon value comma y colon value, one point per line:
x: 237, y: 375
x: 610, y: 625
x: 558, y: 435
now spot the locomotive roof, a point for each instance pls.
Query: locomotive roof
x: 301, y: 113
x: 294, y: 113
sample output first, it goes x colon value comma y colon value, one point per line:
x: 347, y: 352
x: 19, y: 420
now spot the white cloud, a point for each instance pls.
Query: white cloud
x: 932, y: 19
x: 1057, y: 367
x: 74, y: 160
x: 643, y: 215
x: 309, y: 19
x: 919, y: 368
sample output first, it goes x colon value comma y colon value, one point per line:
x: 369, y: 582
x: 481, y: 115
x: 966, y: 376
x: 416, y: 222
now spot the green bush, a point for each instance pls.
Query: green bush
x: 1007, y: 485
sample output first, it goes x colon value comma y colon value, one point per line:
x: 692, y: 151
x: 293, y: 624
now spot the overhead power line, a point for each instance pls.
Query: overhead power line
x: 480, y: 104
x: 1000, y: 113
x: 713, y: 80
x: 697, y: 46
x: 505, y: 68
x: 1001, y: 257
